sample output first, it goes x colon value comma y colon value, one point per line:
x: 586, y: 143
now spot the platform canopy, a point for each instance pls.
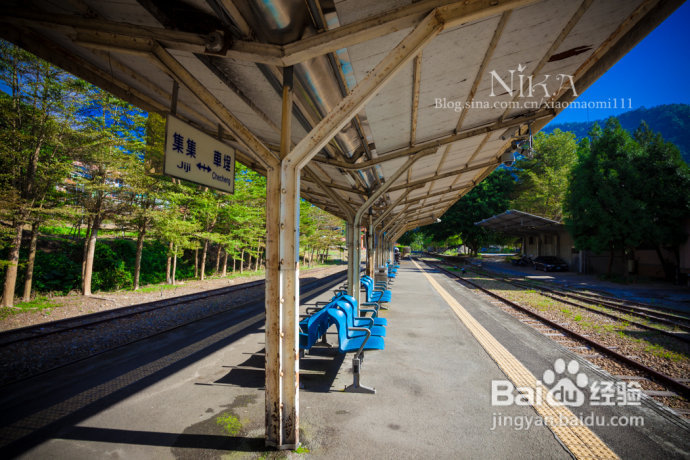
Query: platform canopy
x: 515, y: 222
x: 382, y: 112
x: 226, y: 56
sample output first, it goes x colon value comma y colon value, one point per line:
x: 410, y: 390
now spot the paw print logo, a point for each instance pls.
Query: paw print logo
x: 565, y: 389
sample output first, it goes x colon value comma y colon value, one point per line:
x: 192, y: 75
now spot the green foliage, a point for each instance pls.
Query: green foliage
x: 58, y: 270
x: 230, y: 424
x: 601, y: 208
x: 542, y: 181
x: 43, y: 304
x: 626, y: 192
x: 489, y: 197
x: 672, y: 121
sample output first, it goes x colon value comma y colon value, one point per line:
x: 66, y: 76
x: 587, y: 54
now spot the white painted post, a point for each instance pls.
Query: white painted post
x: 282, y: 291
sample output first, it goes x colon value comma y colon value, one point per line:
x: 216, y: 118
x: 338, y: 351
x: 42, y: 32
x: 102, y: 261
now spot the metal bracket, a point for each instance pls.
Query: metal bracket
x: 356, y: 387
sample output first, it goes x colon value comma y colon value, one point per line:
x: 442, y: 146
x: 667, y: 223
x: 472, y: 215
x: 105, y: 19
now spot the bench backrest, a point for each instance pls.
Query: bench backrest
x: 339, y: 318
x: 312, y: 328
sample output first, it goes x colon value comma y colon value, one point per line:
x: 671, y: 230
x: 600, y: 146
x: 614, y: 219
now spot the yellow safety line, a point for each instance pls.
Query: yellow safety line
x: 575, y: 436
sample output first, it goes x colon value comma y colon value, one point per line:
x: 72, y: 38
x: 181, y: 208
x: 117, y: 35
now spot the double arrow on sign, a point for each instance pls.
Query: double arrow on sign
x: 203, y: 167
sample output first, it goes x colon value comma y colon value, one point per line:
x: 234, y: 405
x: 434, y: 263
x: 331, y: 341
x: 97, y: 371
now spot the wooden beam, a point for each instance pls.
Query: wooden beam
x: 444, y: 140
x: 444, y: 175
x: 451, y: 13
x: 446, y: 191
x: 390, y: 208
x: 416, y: 80
x: 331, y: 193
x: 638, y: 25
x: 349, y: 106
x: 572, y: 22
x: 47, y: 49
x: 101, y: 32
x: 241, y: 132
x: 482, y: 68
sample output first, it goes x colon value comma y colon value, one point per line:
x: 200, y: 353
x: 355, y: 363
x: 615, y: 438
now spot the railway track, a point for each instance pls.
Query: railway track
x: 135, y: 323
x: 677, y: 320
x: 84, y: 321
x: 664, y: 380
x: 600, y: 297
x: 564, y: 298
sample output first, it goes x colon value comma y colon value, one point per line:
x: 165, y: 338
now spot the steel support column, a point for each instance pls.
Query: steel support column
x: 370, y: 247
x: 353, y: 287
x: 282, y: 290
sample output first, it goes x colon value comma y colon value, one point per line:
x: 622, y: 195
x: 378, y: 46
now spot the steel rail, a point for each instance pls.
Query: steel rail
x: 554, y: 294
x: 656, y: 315
x: 331, y: 281
x: 667, y: 380
x: 36, y: 331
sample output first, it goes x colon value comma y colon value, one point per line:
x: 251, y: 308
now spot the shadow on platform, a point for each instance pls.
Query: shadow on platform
x: 173, y: 440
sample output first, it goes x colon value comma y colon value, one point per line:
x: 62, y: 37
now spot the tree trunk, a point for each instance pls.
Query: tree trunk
x: 311, y: 257
x: 242, y: 262
x: 196, y: 263
x: 218, y: 260
x: 664, y: 266
x: 202, y: 270
x: 168, y: 264
x: 28, y: 279
x: 258, y: 257
x: 137, y: 257
x: 87, y: 235
x: 89, y: 256
x: 234, y: 263
x: 225, y: 264
x: 174, y: 266
x: 11, y: 273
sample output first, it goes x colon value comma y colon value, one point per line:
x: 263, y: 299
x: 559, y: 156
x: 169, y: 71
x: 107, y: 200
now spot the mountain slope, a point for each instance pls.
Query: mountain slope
x: 671, y: 120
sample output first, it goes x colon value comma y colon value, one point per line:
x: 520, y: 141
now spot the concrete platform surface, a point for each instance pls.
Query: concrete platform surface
x: 197, y: 392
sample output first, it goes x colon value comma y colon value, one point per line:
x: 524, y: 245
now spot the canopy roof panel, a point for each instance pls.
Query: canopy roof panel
x: 227, y: 57
x: 515, y: 222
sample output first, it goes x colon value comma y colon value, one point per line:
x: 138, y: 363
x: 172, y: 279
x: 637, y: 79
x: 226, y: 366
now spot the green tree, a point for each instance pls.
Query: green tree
x: 489, y: 197
x: 664, y: 189
x: 35, y: 149
x: 604, y: 210
x: 542, y: 181
x: 115, y: 132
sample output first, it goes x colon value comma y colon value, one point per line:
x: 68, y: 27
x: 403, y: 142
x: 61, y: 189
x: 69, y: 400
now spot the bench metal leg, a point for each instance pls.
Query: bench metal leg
x: 324, y: 343
x: 356, y: 387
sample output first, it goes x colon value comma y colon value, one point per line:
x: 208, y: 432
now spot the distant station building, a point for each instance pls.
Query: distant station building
x: 541, y: 236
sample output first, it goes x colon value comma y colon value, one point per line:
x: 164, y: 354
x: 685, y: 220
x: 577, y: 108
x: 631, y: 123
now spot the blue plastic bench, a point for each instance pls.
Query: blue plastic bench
x: 374, y: 311
x: 357, y: 340
x: 359, y: 321
x: 312, y: 328
x: 374, y: 294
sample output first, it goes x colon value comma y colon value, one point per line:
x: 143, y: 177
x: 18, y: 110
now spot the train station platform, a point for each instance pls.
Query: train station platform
x: 198, y: 393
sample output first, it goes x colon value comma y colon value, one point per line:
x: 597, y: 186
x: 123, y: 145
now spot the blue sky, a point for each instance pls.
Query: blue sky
x: 653, y: 73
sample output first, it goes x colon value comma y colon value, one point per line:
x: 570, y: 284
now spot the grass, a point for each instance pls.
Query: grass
x: 40, y: 304
x: 661, y: 352
x: 230, y: 424
x: 157, y: 287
